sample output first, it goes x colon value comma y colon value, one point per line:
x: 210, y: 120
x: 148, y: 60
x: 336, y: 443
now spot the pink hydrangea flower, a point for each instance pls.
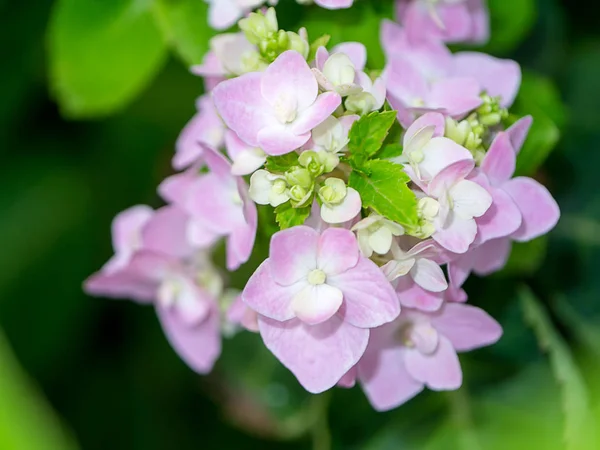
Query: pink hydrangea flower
x: 538, y: 210
x: 418, y: 350
x: 425, y: 75
x: 218, y: 205
x: 205, y: 127
x: 246, y: 158
x: 158, y: 273
x: 317, y: 298
x: 276, y: 109
x: 448, y: 20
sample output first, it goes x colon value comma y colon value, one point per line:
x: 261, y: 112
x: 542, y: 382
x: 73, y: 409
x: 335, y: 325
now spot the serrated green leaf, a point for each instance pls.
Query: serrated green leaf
x: 184, y: 24
x: 579, y: 432
x: 281, y: 163
x: 383, y: 187
x: 390, y: 151
x: 102, y: 54
x: 367, y: 135
x: 288, y: 216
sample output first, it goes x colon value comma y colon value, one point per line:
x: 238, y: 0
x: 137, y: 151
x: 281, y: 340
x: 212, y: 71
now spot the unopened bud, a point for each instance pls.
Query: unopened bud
x: 334, y: 191
x: 298, y: 176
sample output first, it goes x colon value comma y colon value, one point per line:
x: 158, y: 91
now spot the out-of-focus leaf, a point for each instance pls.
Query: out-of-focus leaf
x: 511, y: 20
x: 539, y: 97
x: 581, y: 90
x: 579, y: 431
x: 26, y: 421
x: 185, y: 25
x: 360, y: 23
x: 526, y: 257
x: 102, y: 54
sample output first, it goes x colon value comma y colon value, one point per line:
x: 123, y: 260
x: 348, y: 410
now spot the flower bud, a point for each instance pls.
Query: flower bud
x: 334, y: 191
x: 258, y: 27
x: 297, y: 43
x: 361, y: 103
x: 312, y: 162
x: 298, y: 176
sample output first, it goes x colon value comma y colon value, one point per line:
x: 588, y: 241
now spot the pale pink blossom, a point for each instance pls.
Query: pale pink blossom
x: 276, y: 109
x: 448, y: 20
x: 419, y: 349
x: 224, y: 13
x: 317, y: 298
x: 334, y: 4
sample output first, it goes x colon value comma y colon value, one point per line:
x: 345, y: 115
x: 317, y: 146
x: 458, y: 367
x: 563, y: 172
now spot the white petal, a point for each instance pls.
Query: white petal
x: 247, y: 162
x: 381, y: 240
x: 429, y: 275
x: 260, y: 187
x: 469, y: 199
x: 397, y: 268
x: 316, y: 304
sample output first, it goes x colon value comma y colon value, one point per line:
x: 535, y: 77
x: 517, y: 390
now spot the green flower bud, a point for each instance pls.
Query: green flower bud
x: 258, y: 26
x: 329, y: 161
x: 334, y: 191
x: 297, y: 193
x: 252, y: 62
x: 312, y: 162
x: 295, y: 42
x: 298, y: 176
x: 279, y: 186
x: 361, y: 103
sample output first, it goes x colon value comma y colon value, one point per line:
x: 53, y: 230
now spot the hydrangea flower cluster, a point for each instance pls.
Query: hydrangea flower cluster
x: 389, y: 189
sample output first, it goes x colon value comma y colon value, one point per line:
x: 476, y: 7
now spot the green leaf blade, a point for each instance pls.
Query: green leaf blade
x: 368, y: 133
x: 102, y: 54
x: 385, y: 190
x: 281, y: 164
x: 288, y: 216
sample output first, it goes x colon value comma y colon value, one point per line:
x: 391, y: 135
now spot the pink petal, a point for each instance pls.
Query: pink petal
x: 127, y: 227
x: 316, y: 113
x: 242, y: 107
x: 337, y: 251
x: 456, y: 95
x: 466, y: 327
x: 216, y: 162
x: 539, y: 209
x: 290, y: 78
x: 500, y: 161
x: 449, y: 169
x: 349, y: 379
x: 491, y: 256
x: 279, y: 140
x: 498, y: 77
x: 316, y: 304
x: 440, y: 370
x: 501, y: 219
x: 318, y: 355
x: 268, y: 298
x: 369, y: 298
x: 175, y: 189
x: 431, y: 119
x: 240, y: 243
x: 122, y: 284
x: 405, y: 83
x: 334, y: 4
x: 518, y: 132
x: 412, y: 295
x: 293, y: 253
x: 198, y: 345
x: 166, y: 232
x: 384, y: 378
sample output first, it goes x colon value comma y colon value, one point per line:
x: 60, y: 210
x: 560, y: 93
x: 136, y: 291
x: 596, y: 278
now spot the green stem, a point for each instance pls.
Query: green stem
x: 321, y: 434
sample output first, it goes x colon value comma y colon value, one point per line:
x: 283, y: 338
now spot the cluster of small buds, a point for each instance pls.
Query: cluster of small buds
x: 354, y: 286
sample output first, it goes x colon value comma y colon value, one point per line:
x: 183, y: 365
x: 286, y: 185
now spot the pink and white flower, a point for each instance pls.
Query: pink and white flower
x: 418, y: 350
x: 317, y: 298
x: 276, y: 109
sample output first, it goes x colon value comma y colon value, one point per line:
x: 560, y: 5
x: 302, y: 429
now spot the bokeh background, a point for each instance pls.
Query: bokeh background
x: 93, y: 94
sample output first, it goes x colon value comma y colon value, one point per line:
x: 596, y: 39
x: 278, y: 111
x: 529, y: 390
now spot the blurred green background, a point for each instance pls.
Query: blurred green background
x: 93, y: 94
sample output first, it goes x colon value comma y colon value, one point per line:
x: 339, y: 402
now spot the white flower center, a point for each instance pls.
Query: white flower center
x: 286, y: 109
x: 317, y: 277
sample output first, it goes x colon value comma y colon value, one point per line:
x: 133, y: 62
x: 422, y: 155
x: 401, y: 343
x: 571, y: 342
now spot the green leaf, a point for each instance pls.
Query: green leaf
x: 511, y: 21
x: 579, y: 432
x: 383, y: 187
x: 184, y: 24
x: 540, y: 98
x: 526, y: 257
x: 102, y: 54
x: 281, y: 163
x: 288, y: 216
x: 367, y: 135
x: 26, y: 420
x: 390, y: 151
